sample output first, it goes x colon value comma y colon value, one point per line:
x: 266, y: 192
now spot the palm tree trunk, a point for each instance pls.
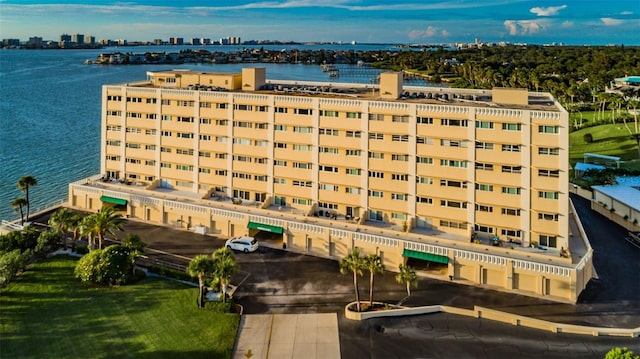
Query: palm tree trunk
x: 371, y: 291
x: 201, y: 293
x: 100, y: 241
x: 355, y: 284
x: 73, y: 241
x: 223, y: 289
x: 26, y: 195
x: 408, y: 289
x: 21, y: 216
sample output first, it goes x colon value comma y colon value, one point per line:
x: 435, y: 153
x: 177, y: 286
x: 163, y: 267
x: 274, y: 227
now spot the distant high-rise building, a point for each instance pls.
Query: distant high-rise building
x: 205, y: 41
x: 157, y: 41
x: 65, y: 38
x: 195, y: 41
x: 176, y: 41
x: 224, y: 41
x: 35, y: 42
x: 10, y: 42
x: 122, y: 42
x: 91, y: 40
x: 77, y: 38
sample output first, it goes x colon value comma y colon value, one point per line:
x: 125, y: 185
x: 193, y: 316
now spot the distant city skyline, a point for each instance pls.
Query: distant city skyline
x: 374, y: 21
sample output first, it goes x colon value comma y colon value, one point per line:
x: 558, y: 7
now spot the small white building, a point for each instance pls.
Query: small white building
x: 622, y: 199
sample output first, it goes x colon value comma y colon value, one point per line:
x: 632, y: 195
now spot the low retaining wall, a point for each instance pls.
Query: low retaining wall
x: 499, y: 316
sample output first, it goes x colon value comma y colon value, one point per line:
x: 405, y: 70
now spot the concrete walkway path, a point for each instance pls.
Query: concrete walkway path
x: 274, y: 336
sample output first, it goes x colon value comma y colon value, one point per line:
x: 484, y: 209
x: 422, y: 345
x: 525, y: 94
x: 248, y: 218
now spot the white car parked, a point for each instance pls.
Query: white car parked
x: 244, y: 244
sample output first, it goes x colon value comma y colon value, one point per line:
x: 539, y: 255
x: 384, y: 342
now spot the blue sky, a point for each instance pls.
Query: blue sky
x: 575, y: 22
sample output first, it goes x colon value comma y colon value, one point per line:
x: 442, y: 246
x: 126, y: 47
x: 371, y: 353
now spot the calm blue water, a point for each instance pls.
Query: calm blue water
x: 50, y: 111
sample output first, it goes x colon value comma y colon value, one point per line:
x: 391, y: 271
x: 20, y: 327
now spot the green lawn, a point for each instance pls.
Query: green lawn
x: 46, y: 313
x: 612, y: 140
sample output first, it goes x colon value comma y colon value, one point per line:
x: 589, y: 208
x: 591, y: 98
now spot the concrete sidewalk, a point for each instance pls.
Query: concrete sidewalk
x: 288, y: 336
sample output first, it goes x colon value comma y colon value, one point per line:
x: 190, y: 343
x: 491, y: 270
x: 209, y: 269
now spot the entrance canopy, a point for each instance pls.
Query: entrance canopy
x: 113, y: 200
x: 425, y: 256
x: 265, y: 227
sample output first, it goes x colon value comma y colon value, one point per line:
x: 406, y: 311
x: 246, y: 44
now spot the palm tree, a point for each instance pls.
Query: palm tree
x: 408, y: 277
x: 107, y: 221
x: 374, y: 265
x: 136, y: 248
x: 23, y: 184
x: 18, y: 204
x: 61, y: 220
x: 201, y: 266
x: 355, y: 264
x: 224, y: 267
x: 75, y: 226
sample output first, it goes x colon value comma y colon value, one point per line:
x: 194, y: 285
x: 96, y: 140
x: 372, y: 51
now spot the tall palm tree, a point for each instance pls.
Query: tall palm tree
x: 61, y: 221
x: 107, y: 221
x: 23, y: 184
x: 18, y: 204
x: 201, y: 266
x: 224, y: 267
x: 374, y: 265
x: 408, y: 277
x: 75, y: 226
x: 353, y: 263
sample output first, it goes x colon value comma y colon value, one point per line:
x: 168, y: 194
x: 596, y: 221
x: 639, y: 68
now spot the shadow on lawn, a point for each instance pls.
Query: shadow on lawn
x: 182, y: 354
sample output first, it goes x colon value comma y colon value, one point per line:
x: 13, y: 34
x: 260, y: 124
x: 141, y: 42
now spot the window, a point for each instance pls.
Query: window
x: 354, y: 115
x: 262, y: 108
x: 548, y: 151
x: 280, y: 163
x: 354, y: 134
x: 184, y: 167
x: 185, y: 135
x: 261, y: 125
x: 378, y: 194
x: 221, y: 172
x: 353, y: 152
x: 113, y: 158
x: 510, y: 148
x: 452, y: 204
x: 165, y: 133
x: 301, y: 201
x: 166, y: 117
x: 205, y: 104
x: 279, y: 127
x: 241, y: 107
x: 484, y: 145
x: 453, y: 163
x: 510, y: 211
x: 133, y: 130
x: 511, y: 233
x: 353, y: 171
x: 221, y: 105
x: 281, y: 110
x: 222, y: 122
x: 134, y: 114
x: 205, y: 138
x: 449, y: 183
x: 327, y: 205
x: 453, y: 224
x: 165, y: 150
x: 511, y: 190
x: 306, y: 148
x: 402, y: 216
x: 424, y: 140
x: 424, y: 160
x: 114, y: 98
x: 376, y: 136
x: 548, y: 195
x: 242, y: 141
x: 150, y: 147
x: 424, y: 180
x: 114, y: 113
x: 302, y: 111
x: 165, y: 102
x: 548, y: 173
x: 185, y: 119
x: 377, y: 155
x: 352, y: 190
x: 134, y: 161
x: 261, y: 160
x: 280, y: 201
x: 376, y: 117
x: 151, y: 116
x: 484, y: 166
x: 483, y: 208
x: 548, y: 216
x: 242, y: 158
x: 280, y: 145
x: 376, y: 174
x: 243, y: 124
x: 454, y: 123
x: 185, y: 103
x: 548, y: 241
x: 132, y: 145
x: 241, y: 175
x: 165, y: 165
x: 483, y: 229
x: 301, y: 183
x: 279, y: 181
x: 400, y: 138
x: 399, y: 118
x: 302, y: 165
x: 328, y: 132
x: 399, y: 196
x: 328, y: 113
x: 453, y: 143
x: 221, y: 156
x: 150, y: 132
x: 425, y: 120
x: 511, y: 169
x: 401, y: 158
x: 204, y: 170
x: 331, y: 150
x: 204, y: 154
x: 222, y: 139
x: 328, y: 168
x: 424, y: 200
x: 548, y: 129
x: 300, y: 129
x: 399, y: 177
x: 261, y: 143
x: 511, y: 126
x: 134, y: 99
x: 328, y: 187
x: 114, y: 128
x: 484, y: 124
x: 484, y: 187
x: 183, y: 151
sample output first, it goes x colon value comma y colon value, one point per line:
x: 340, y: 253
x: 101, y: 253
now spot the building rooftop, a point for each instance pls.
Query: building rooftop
x: 497, y: 98
x: 627, y: 191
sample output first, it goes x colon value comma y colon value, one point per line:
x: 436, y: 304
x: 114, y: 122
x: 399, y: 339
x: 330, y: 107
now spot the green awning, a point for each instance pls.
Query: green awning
x: 118, y: 201
x: 425, y: 256
x: 265, y: 227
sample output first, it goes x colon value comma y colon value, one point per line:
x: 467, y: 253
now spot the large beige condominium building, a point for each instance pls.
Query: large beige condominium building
x: 432, y: 174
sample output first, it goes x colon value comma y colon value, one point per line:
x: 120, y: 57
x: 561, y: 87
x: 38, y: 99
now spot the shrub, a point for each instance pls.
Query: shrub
x: 46, y: 240
x: 612, y: 210
x: 219, y: 306
x: 12, y: 263
x: 588, y: 137
x: 105, y: 266
x: 635, y: 221
x: 626, y: 217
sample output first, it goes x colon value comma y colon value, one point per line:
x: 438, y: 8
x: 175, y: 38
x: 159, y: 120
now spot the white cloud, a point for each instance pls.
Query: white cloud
x: 430, y: 31
x: 522, y: 27
x: 547, y: 11
x: 626, y: 13
x: 566, y: 24
x: 608, y: 21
